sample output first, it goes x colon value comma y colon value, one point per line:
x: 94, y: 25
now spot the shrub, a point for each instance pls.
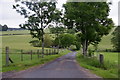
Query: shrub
x: 47, y: 41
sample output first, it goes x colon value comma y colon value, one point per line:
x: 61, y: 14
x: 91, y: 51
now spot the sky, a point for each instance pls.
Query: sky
x: 12, y: 19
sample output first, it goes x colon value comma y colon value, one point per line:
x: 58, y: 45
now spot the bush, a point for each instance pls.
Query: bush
x: 35, y: 43
x: 64, y: 40
x: 90, y: 52
x: 47, y: 41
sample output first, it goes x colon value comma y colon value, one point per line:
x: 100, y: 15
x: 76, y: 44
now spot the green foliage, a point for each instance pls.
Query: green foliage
x: 90, y: 52
x: 116, y: 39
x: 35, y: 43
x: 47, y: 42
x: 77, y: 42
x: 71, y: 31
x: 3, y: 28
x: 90, y: 19
x: 57, y: 30
x: 39, y: 15
x: 65, y: 40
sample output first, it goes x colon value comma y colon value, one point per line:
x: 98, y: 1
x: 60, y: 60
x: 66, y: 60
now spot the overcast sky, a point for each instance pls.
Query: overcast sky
x: 11, y: 18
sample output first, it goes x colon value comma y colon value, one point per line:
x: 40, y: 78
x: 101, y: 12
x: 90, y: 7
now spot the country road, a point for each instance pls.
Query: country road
x: 63, y: 67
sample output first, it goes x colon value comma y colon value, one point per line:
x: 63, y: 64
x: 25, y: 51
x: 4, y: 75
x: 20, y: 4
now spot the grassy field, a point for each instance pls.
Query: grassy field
x: 16, y: 32
x: 18, y: 42
x: 108, y: 70
x: 105, y: 42
x: 27, y: 62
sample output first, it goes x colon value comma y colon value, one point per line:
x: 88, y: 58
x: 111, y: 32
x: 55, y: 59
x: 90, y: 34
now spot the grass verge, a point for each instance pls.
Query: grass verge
x: 27, y: 63
x: 107, y: 70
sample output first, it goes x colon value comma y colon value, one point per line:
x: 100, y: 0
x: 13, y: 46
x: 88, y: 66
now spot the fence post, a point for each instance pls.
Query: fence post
x: 7, y: 56
x: 101, y: 58
x: 21, y: 55
x: 38, y: 53
x: 31, y: 54
x: 46, y: 52
x: 54, y: 51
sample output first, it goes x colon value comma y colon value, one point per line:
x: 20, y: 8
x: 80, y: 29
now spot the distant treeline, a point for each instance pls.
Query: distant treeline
x: 5, y: 28
x: 11, y: 29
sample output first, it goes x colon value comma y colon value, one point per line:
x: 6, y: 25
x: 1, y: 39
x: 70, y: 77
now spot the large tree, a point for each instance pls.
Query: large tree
x: 90, y: 19
x: 39, y: 15
x: 116, y: 39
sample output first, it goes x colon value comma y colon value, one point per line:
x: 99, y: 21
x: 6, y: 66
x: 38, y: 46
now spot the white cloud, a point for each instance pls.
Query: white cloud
x: 10, y: 17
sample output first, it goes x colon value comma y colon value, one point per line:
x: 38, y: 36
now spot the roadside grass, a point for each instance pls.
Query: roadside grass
x: 27, y: 62
x: 108, y: 70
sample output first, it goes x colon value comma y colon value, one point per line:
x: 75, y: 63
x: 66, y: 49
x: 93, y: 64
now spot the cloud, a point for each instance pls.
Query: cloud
x: 10, y: 17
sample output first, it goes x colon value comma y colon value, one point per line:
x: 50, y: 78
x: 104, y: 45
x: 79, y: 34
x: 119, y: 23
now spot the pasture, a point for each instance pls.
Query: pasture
x: 16, y: 43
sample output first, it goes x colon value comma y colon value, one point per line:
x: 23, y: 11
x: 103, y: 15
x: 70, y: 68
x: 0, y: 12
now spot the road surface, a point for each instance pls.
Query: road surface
x: 63, y: 67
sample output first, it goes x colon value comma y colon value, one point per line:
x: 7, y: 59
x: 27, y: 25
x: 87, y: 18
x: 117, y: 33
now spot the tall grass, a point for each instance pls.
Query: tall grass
x: 106, y: 70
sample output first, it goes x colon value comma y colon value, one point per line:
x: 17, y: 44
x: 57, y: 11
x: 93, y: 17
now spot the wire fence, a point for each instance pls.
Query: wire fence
x: 9, y: 56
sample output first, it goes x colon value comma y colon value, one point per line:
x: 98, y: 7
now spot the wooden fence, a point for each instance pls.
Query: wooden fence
x: 22, y: 53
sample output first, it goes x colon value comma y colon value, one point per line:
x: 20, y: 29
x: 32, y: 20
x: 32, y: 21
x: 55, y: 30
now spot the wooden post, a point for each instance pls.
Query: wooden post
x: 46, y: 52
x: 31, y: 54
x: 7, y: 56
x: 54, y: 51
x: 101, y: 58
x: 49, y: 51
x: 38, y: 53
x: 21, y: 55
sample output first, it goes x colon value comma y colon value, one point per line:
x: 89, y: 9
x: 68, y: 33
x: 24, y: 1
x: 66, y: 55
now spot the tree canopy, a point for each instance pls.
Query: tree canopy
x: 90, y: 19
x: 39, y: 15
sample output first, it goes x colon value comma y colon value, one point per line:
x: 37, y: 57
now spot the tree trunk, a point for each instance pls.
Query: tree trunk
x: 85, y: 48
x: 58, y: 44
x: 42, y: 44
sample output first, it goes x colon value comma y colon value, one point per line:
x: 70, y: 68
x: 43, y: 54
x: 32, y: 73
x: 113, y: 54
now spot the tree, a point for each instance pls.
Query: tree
x: 71, y: 31
x: 116, y: 39
x: 57, y: 28
x: 3, y: 28
x: 66, y: 40
x: 47, y: 41
x: 39, y: 15
x: 90, y: 19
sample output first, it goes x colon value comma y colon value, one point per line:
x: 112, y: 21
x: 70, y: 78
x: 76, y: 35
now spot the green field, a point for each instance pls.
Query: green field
x: 16, y: 32
x: 110, y: 57
x: 105, y: 42
x: 18, y: 42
